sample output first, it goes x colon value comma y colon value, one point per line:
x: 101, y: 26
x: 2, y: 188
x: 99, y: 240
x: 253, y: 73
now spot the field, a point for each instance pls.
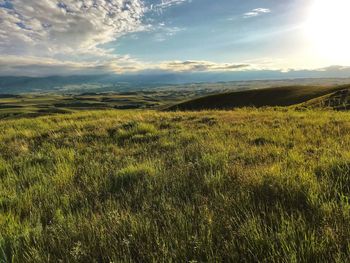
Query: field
x: 43, y: 104
x: 248, y: 185
x: 34, y: 105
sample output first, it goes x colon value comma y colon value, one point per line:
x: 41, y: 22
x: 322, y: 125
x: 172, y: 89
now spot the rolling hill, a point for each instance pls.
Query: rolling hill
x: 280, y: 96
x: 338, y: 100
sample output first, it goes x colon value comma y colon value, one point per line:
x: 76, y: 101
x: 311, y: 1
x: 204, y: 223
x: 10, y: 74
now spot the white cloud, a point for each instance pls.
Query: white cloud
x: 168, y: 3
x: 256, y: 12
x: 46, y: 28
x: 45, y: 37
x: 164, y: 32
x: 38, y: 66
x: 200, y: 66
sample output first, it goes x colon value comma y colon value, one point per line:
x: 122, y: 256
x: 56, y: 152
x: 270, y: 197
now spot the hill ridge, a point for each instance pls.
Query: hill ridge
x: 277, y: 96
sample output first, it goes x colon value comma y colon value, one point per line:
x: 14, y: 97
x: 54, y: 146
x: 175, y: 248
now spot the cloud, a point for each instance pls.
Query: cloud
x: 41, y: 67
x: 335, y: 68
x: 199, y: 66
x: 71, y: 28
x: 164, y: 32
x: 168, y: 3
x: 38, y: 66
x: 67, y: 37
x: 256, y: 12
x: 46, y: 28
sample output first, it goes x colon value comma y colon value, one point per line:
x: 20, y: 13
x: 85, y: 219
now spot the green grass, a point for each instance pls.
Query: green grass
x: 339, y: 100
x: 280, y: 96
x: 269, y: 185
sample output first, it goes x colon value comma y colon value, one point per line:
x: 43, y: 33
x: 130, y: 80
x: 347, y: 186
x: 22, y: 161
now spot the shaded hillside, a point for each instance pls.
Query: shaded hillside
x: 281, y: 96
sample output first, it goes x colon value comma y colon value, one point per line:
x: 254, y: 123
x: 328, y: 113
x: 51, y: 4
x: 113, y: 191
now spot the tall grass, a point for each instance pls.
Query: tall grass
x: 120, y: 186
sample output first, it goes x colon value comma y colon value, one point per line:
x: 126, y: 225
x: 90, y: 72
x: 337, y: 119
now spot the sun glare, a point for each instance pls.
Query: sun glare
x: 328, y: 28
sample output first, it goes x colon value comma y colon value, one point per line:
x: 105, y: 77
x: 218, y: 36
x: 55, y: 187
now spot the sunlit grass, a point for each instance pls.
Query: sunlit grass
x: 268, y: 185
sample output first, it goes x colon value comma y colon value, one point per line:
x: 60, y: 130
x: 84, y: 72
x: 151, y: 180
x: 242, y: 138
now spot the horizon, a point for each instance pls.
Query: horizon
x: 150, y: 37
x: 184, y: 78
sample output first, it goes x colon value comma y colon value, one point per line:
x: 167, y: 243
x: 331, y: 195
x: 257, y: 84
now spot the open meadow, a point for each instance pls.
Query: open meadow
x: 180, y: 131
x: 248, y: 185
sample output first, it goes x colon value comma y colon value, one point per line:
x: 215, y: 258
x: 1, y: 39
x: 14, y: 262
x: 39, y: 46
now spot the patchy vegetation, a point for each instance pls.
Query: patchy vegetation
x: 249, y: 185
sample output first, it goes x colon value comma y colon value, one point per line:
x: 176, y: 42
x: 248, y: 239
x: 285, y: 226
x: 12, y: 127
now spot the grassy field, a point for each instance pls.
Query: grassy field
x: 15, y: 106
x: 269, y: 185
x: 34, y: 105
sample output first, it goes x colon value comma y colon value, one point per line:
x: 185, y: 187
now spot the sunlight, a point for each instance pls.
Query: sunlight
x: 328, y: 29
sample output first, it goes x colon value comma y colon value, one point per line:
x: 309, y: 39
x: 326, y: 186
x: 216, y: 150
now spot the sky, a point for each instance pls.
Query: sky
x: 70, y: 37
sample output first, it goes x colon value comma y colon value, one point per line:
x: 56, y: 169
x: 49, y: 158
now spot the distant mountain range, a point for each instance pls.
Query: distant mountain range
x: 16, y: 85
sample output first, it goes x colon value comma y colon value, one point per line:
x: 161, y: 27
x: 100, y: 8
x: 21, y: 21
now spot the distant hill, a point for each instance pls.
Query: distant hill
x: 176, y: 81
x: 280, y: 96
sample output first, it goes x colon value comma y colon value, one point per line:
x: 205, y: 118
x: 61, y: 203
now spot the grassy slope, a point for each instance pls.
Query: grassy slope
x: 243, y: 186
x: 339, y: 100
x: 280, y: 96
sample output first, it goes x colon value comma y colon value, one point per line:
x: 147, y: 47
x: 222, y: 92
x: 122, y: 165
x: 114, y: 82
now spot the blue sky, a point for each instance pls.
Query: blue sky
x: 136, y: 36
x: 213, y: 30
